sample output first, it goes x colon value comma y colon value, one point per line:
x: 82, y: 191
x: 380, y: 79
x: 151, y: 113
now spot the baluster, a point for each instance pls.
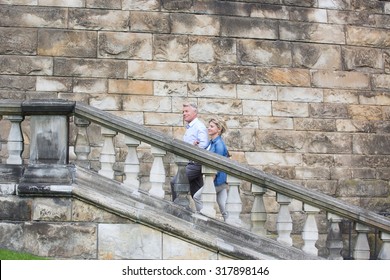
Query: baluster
x: 131, y: 165
x: 233, y: 202
x: 384, y: 253
x: 107, y: 155
x: 284, y: 221
x: 362, y: 248
x: 334, y: 241
x: 310, y: 230
x: 181, y: 185
x: 82, y: 146
x: 157, y: 173
x: 15, y: 140
x: 258, y: 213
x: 209, y: 196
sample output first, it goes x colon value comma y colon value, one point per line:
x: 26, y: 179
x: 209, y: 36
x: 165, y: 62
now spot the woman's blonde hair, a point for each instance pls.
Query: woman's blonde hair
x: 220, y: 123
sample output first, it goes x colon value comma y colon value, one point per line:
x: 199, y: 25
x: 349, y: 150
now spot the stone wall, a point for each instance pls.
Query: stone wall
x: 66, y: 228
x: 303, y: 85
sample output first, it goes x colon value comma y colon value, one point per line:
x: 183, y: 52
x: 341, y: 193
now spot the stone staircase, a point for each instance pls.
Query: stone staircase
x: 134, y: 223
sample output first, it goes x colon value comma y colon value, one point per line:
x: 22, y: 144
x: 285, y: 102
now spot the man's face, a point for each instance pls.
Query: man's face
x: 189, y: 114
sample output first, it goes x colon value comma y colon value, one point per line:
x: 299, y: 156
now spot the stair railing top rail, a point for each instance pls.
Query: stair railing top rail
x: 190, y: 152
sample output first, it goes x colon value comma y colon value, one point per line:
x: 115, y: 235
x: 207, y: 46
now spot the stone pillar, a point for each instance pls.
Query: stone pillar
x: 284, y: 222
x: 233, y: 203
x: 131, y: 166
x: 209, y: 197
x: 48, y: 170
x: 258, y: 213
x: 157, y: 173
x: 362, y: 247
x: 15, y: 140
x: 310, y: 230
x: 181, y: 186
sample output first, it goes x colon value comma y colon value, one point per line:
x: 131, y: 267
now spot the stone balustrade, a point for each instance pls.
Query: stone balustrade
x: 46, y: 127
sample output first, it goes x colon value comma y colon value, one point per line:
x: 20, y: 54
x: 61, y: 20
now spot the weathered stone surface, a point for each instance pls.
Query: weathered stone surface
x: 12, y: 82
x: 371, y: 144
x: 66, y: 43
x: 328, y: 110
x: 363, y: 188
x: 98, y: 19
x: 312, y: 32
x: 206, y: 49
x: 363, y: 36
x: 150, y: 22
x: 195, y: 24
x: 104, y: 4
x: 328, y: 143
x: 170, y: 47
x: 315, y: 56
x: 130, y: 87
x: 15, y: 208
x: 363, y: 58
x: 90, y: 68
x: 56, y: 209
x: 283, y: 76
x: 54, y: 84
x: 309, y: 15
x: 125, y: 45
x: 34, y: 16
x: 26, y: 65
x: 287, y: 109
x: 130, y: 241
x: 227, y: 74
x: 162, y: 70
x: 149, y: 5
x: 264, y: 53
x: 211, y: 90
x: 249, y: 28
x: 18, y: 41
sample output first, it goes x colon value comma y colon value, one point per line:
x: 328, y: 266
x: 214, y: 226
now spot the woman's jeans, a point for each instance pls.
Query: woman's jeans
x: 221, y: 192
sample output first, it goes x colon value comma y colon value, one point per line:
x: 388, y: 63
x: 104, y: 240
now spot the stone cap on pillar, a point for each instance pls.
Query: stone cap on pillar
x: 48, y: 107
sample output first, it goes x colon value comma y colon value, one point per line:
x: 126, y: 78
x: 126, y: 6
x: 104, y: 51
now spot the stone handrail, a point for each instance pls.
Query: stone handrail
x: 312, y: 200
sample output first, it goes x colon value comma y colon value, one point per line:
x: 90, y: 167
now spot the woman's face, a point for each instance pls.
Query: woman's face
x: 213, y: 130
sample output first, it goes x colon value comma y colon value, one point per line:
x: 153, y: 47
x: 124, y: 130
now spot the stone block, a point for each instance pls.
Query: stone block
x: 294, y: 94
x: 312, y: 32
x: 14, y: 208
x: 328, y: 143
x: 316, y: 56
x: 270, y: 11
x: 68, y: 240
x: 211, y: 90
x: 256, y: 92
x: 278, y: 141
x: 361, y: 112
x: 103, y: 102
x: 123, y: 45
x: 130, y: 87
x: 89, y: 85
x: 51, y: 209
x: 329, y: 110
x: 276, y: 123
x: 63, y: 3
x: 220, y: 106
x: 147, y: 103
x: 104, y: 4
x: 289, y: 109
x: 256, y: 108
x: 283, y: 76
x: 18, y: 41
x: 341, y: 96
x: 264, y: 53
x: 381, y: 81
x: 163, y: 119
x: 67, y: 43
x: 366, y: 59
x: 376, y: 144
x: 12, y: 82
x: 33, y: 16
x: 308, y: 15
x: 206, y: 49
x: 54, y: 84
x: 98, y: 19
x: 90, y: 68
x: 170, y: 47
x: 149, y: 21
x: 192, y: 24
x: 147, y: 5
x: 177, y: 249
x: 268, y: 158
x: 154, y: 70
x: 228, y: 74
x: 341, y: 79
x: 26, y: 65
x: 312, y: 124
x: 166, y: 88
x: 366, y: 36
x: 128, y: 241
x: 249, y: 28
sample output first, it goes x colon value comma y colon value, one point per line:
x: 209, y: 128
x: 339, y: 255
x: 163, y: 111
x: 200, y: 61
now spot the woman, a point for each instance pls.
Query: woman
x: 215, y: 129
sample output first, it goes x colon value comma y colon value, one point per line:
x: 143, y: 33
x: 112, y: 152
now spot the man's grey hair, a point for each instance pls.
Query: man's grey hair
x: 190, y: 104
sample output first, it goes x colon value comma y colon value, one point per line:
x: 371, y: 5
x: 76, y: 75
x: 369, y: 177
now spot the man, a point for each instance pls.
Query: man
x: 196, y: 134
